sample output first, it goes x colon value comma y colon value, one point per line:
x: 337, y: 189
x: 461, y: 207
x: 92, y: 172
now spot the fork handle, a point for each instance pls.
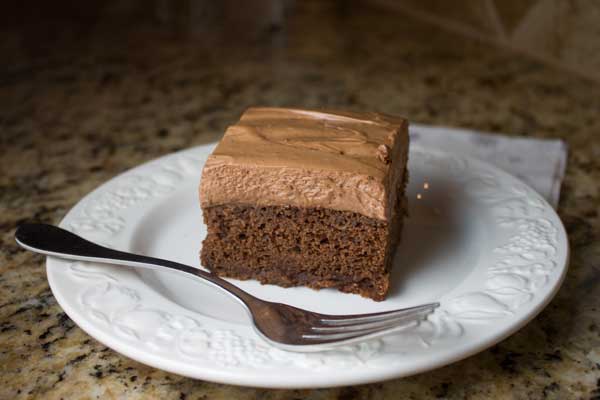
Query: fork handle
x: 53, y: 241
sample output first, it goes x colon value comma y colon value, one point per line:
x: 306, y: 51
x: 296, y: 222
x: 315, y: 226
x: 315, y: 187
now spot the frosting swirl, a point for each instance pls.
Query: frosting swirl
x: 332, y: 159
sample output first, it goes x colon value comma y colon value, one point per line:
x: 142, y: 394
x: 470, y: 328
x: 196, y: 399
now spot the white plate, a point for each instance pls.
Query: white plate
x: 478, y: 240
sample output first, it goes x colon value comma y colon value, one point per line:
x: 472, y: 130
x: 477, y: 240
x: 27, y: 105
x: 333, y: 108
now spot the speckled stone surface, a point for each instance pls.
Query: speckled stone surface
x: 82, y: 103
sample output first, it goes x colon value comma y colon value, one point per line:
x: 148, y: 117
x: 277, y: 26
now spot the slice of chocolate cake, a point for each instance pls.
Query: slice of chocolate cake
x: 299, y: 197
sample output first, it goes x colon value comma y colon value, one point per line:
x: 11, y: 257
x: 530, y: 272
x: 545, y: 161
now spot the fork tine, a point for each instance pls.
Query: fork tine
x: 344, y: 320
x: 361, y: 326
x: 352, y: 334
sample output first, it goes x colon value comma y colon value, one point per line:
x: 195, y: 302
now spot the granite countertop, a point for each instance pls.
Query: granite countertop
x: 82, y: 103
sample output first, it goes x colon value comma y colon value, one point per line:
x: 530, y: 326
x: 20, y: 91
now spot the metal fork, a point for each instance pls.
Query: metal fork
x: 284, y: 326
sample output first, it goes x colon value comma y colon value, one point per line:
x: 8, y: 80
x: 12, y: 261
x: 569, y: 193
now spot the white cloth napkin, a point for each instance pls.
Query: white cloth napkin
x: 538, y: 162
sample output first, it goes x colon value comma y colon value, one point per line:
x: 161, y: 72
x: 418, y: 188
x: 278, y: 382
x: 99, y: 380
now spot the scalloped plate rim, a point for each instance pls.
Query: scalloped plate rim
x: 257, y: 378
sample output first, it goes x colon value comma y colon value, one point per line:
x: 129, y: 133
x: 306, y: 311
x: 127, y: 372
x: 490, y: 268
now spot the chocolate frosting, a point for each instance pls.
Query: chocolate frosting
x: 332, y: 159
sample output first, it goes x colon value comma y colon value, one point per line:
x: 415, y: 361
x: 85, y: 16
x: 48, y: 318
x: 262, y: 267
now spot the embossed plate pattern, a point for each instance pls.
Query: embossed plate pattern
x: 478, y: 240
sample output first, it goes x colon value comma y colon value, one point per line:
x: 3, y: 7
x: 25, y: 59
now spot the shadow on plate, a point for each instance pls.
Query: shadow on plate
x: 431, y: 231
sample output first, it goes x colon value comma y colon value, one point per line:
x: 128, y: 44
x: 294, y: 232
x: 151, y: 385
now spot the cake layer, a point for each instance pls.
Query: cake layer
x: 309, y: 159
x: 291, y: 246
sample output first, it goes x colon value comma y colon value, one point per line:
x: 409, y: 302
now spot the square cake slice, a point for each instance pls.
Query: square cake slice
x: 300, y: 197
